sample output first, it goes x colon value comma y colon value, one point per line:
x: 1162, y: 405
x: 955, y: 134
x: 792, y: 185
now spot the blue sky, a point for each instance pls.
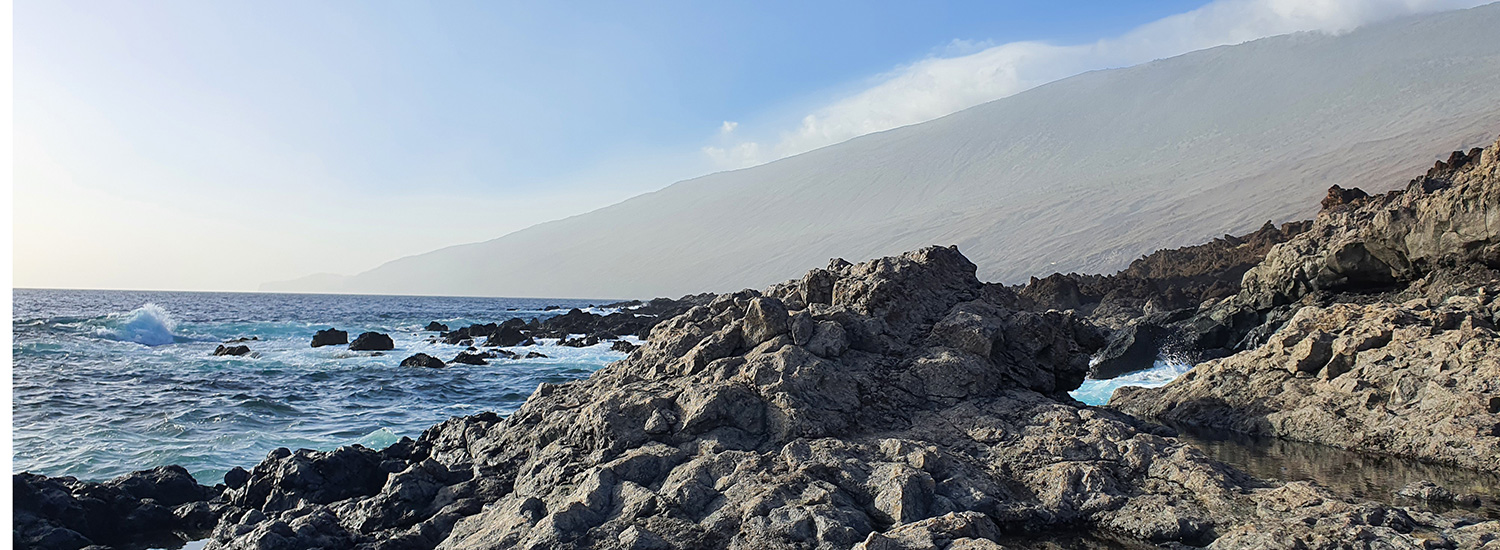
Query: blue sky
x: 216, y: 145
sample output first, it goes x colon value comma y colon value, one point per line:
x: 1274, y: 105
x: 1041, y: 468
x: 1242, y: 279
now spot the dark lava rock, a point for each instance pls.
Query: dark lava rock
x: 423, y: 360
x: 236, y: 477
x: 372, y: 341
x: 242, y: 339
x: 506, y: 336
x: 535, y: 355
x: 436, y: 327
x: 330, y: 337
x: 1135, y: 347
x: 149, y: 507
x: 231, y: 350
x: 580, y: 342
x: 623, y: 346
x: 470, y: 358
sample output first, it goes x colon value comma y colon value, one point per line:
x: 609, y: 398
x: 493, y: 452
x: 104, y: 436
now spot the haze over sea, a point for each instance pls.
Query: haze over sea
x: 107, y: 382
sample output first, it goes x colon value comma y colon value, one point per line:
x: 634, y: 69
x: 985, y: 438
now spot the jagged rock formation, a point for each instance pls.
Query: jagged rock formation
x: 898, y: 403
x: 1374, y: 330
x: 140, y: 507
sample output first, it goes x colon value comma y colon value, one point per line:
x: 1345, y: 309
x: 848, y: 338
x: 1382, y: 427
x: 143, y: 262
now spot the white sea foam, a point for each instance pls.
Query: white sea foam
x: 149, y: 324
x: 1098, y: 392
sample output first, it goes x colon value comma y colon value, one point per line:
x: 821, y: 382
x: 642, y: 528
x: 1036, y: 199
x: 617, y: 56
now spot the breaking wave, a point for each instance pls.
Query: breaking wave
x: 1097, y: 392
x: 149, y: 325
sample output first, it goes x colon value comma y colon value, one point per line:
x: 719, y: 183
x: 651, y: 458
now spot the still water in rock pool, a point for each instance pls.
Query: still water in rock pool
x: 107, y: 382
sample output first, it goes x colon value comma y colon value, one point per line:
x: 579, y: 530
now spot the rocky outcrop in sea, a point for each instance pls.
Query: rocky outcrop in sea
x: 1375, y: 330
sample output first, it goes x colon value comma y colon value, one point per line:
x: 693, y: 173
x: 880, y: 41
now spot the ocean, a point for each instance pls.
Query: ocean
x: 108, y: 382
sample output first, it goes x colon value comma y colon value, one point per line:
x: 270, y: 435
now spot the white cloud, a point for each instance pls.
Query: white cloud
x: 940, y: 85
x: 728, y: 127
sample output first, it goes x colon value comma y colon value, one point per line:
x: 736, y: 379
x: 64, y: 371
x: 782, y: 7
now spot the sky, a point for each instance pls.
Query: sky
x: 188, y: 145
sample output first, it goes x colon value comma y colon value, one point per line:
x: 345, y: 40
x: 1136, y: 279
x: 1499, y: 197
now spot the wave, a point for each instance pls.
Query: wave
x: 1098, y: 392
x: 149, y: 324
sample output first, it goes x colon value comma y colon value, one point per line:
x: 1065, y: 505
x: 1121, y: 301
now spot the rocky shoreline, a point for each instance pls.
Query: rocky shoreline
x: 901, y: 403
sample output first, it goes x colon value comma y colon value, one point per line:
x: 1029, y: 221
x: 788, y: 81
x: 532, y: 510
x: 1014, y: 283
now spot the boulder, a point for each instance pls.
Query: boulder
x: 436, y: 327
x: 232, y: 350
x: 535, y: 355
x: 506, y: 336
x: 470, y: 358
x: 622, y: 346
x: 423, y: 360
x: 372, y: 341
x: 330, y: 337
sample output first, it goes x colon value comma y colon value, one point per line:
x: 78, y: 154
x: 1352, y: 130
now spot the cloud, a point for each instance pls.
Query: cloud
x: 940, y: 85
x: 728, y: 127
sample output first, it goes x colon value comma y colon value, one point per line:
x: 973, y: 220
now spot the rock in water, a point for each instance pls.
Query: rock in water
x: 423, y: 360
x: 372, y: 341
x: 535, y: 355
x: 436, y: 327
x: 622, y: 346
x: 231, y: 350
x: 330, y: 337
x: 936, y: 418
x: 470, y: 358
x: 1373, y: 331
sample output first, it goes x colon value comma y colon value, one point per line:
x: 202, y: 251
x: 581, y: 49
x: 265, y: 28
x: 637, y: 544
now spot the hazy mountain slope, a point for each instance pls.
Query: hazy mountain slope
x: 1084, y: 174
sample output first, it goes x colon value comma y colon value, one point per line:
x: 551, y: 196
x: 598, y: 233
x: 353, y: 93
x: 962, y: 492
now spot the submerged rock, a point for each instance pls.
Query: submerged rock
x: 372, y: 341
x: 330, y: 337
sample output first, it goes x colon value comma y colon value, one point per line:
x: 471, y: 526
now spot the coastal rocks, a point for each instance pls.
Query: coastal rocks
x: 1373, y: 331
x: 372, y: 341
x: 1432, y: 492
x: 436, y: 327
x: 423, y: 360
x: 1338, y: 196
x: 231, y: 350
x: 151, y: 505
x: 622, y: 346
x: 1411, y: 379
x: 933, y: 416
x: 535, y: 355
x: 506, y: 336
x: 470, y: 358
x: 330, y: 337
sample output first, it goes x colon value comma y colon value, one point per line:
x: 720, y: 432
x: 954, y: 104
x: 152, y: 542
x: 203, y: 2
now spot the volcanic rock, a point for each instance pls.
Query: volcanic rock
x: 423, y: 360
x: 372, y: 341
x: 943, y: 424
x: 231, y: 350
x: 1372, y: 331
x: 436, y: 327
x: 149, y: 505
x: 330, y: 337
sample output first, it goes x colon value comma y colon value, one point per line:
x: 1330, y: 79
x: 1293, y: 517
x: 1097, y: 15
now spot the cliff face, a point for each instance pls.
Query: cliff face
x: 1374, y: 330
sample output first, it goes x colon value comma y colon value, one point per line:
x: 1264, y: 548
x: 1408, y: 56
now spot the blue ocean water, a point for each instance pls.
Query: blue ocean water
x: 1097, y: 392
x: 107, y: 382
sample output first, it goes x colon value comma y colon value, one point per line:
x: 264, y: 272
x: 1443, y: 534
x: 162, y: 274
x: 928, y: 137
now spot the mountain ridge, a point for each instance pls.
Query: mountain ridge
x: 1084, y: 174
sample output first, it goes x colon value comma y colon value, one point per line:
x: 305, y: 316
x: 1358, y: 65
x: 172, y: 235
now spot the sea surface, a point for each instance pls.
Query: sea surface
x: 108, y: 382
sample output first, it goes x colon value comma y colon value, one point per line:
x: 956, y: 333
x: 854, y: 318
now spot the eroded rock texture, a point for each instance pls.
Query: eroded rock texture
x: 896, y: 403
x: 1374, y: 330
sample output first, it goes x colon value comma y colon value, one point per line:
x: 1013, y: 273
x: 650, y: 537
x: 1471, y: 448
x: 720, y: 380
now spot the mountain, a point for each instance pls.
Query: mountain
x: 1084, y: 174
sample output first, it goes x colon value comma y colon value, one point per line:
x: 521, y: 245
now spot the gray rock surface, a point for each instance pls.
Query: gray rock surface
x: 1378, y: 329
x: 932, y: 416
